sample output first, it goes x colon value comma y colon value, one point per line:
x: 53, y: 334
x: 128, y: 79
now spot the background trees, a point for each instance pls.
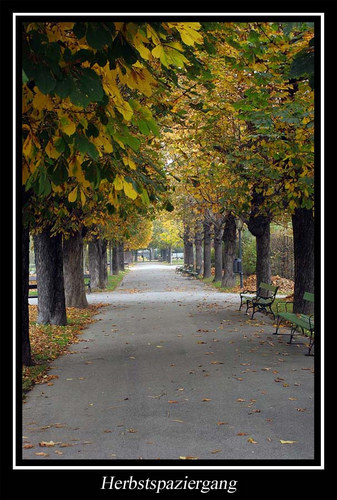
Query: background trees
x: 208, y: 121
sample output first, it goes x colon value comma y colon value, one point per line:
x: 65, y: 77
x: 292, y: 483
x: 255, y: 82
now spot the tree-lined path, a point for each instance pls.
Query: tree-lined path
x: 172, y: 369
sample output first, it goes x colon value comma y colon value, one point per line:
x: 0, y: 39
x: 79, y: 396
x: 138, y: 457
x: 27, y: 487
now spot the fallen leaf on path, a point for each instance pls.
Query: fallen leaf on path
x: 172, y: 401
x: 42, y: 454
x: 27, y: 446
x: 251, y: 440
x: 241, y: 434
x: 206, y: 399
x: 301, y: 409
x: 241, y: 400
x: 58, y: 452
x: 47, y: 443
x: 176, y: 420
x: 188, y: 458
x: 131, y: 430
x: 215, y: 451
x: 221, y: 423
x: 216, y: 363
x: 287, y: 442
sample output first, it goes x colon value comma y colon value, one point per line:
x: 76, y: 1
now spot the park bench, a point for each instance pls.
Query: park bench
x: 261, y: 299
x: 189, y: 270
x: 304, y: 322
x: 182, y: 269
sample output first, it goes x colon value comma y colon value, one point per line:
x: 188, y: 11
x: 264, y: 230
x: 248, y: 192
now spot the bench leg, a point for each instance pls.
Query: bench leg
x: 311, y: 343
x: 254, y: 311
x: 277, y: 325
x: 292, y: 331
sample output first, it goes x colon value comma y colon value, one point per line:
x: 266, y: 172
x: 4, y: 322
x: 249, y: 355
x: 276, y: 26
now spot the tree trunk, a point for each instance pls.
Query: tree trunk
x: 229, y: 238
x: 97, y: 263
x: 263, y: 268
x: 73, y: 272
x: 169, y: 255
x: 26, y: 351
x: 259, y: 226
x: 49, y: 275
x: 115, y: 260
x: 198, y: 252
x: 303, y: 235
x: 188, y: 248
x: 121, y: 256
x: 207, y: 250
x: 218, y: 233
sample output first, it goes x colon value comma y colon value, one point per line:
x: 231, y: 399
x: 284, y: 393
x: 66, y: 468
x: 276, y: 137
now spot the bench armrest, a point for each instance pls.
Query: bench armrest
x: 248, y: 291
x: 311, y: 317
x: 282, y: 303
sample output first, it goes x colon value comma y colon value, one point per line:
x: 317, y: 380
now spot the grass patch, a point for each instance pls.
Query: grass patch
x: 115, y: 280
x: 48, y: 342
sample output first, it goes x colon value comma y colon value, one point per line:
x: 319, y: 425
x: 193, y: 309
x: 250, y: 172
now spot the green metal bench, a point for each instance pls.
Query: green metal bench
x: 262, y: 299
x: 298, y: 321
x: 189, y: 271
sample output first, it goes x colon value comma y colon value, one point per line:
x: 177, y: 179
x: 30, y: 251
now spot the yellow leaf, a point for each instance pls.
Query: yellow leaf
x: 129, y: 190
x: 287, y: 442
x: 27, y: 146
x: 159, y: 52
x: 118, y: 183
x: 25, y: 174
x: 251, y: 440
x: 51, y: 151
x: 67, y: 126
x: 72, y: 196
x: 42, y: 101
x: 83, y: 198
x: 188, y: 458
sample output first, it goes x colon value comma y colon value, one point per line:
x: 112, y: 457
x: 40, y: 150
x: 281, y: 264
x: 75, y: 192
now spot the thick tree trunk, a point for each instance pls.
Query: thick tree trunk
x: 188, y: 248
x: 229, y: 238
x: 198, y: 252
x: 303, y: 235
x: 121, y: 256
x: 74, y: 287
x: 259, y: 226
x: 97, y: 263
x: 207, y: 250
x: 49, y: 275
x: 26, y: 351
x: 218, y: 233
x: 115, y: 260
x: 263, y: 268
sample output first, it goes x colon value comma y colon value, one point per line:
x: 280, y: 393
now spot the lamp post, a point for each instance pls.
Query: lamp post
x: 239, y: 226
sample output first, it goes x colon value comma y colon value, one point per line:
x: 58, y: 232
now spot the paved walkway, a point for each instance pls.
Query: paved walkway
x: 172, y: 369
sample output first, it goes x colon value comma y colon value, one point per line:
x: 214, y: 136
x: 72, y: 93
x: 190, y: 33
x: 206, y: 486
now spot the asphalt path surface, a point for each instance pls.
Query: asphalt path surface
x: 172, y: 370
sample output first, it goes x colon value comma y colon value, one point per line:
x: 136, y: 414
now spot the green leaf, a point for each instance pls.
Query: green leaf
x: 79, y: 30
x: 86, y: 147
x: 98, y: 36
x: 44, y: 79
x: 64, y: 87
x: 153, y: 126
x: 303, y: 64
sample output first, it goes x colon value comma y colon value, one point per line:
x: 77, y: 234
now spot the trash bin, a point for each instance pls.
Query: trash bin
x: 237, y: 266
